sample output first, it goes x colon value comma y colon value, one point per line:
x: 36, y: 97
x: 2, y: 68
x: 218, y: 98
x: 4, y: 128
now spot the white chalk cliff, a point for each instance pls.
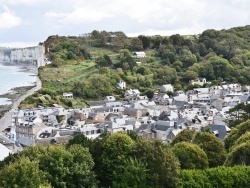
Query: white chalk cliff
x: 31, y: 55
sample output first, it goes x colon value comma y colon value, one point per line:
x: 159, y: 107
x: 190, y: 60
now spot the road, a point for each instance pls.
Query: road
x: 5, y: 121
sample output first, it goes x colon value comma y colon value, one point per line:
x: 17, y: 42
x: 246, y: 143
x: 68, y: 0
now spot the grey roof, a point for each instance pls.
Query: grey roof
x: 221, y: 129
x: 25, y: 141
x: 161, y: 125
x: 96, y: 103
x: 142, y: 127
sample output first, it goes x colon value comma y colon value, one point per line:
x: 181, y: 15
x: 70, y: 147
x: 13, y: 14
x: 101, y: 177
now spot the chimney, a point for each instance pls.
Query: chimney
x: 175, y: 125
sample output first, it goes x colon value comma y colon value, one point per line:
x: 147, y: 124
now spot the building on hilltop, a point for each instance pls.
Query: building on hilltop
x: 199, y: 81
x: 139, y: 54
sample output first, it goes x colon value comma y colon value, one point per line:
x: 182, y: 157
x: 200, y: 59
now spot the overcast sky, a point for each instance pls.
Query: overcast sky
x: 28, y: 22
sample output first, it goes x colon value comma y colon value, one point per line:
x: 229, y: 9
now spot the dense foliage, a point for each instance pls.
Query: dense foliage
x: 236, y: 133
x: 126, y: 160
x: 212, y: 146
x: 238, y: 176
x: 191, y: 156
x: 238, y: 114
x: 216, y: 55
x: 117, y: 160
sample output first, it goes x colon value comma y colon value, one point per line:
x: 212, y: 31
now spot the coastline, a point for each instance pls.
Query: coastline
x: 17, y: 95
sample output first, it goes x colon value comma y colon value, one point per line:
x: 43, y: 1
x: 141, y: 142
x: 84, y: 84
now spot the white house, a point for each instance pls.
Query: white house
x: 109, y: 99
x: 121, y: 84
x: 199, y: 81
x: 139, y: 54
x: 131, y: 94
x: 165, y: 88
x: 68, y: 95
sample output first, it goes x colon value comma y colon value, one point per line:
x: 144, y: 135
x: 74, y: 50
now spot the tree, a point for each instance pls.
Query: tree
x: 186, y: 135
x: 145, y: 41
x: 149, y: 93
x: 136, y: 44
x: 81, y: 140
x: 104, y: 61
x: 237, y: 176
x: 68, y: 168
x: 187, y: 57
x: 23, y: 173
x: 81, y: 174
x: 96, y: 86
x: 162, y: 165
x: 242, y: 139
x: 236, y: 133
x: 238, y: 114
x: 191, y: 156
x: 212, y: 146
x: 134, y: 174
x: 176, y: 39
x: 239, y: 155
x: 222, y: 68
x: 116, y: 150
x: 189, y: 75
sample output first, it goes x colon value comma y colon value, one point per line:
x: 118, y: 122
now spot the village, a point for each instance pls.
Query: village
x: 161, y: 117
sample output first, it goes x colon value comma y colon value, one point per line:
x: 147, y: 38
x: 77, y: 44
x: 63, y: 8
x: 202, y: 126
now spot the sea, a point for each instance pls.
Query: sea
x: 14, y: 76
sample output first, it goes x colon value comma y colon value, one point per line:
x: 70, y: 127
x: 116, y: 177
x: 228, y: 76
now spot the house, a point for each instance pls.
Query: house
x: 28, y: 129
x: 199, y: 81
x: 161, y: 99
x: 219, y: 118
x: 109, y: 99
x: 133, y: 112
x: 232, y: 87
x: 219, y: 131
x: 121, y: 85
x: 143, y: 98
x: 139, y: 54
x: 80, y: 115
x: 166, y: 88
x: 132, y: 94
x: 172, y: 133
x: 68, y: 95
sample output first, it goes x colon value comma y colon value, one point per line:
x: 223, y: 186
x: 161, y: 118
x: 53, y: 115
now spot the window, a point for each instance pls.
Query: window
x: 92, y: 131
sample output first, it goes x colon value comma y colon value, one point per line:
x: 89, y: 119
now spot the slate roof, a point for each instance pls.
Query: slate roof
x: 221, y: 129
x: 25, y: 141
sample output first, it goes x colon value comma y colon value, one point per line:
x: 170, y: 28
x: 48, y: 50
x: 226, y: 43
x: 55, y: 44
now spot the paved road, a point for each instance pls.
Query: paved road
x: 5, y: 121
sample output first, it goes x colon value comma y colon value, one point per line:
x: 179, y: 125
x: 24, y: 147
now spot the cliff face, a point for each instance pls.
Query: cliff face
x: 30, y: 55
x: 5, y: 54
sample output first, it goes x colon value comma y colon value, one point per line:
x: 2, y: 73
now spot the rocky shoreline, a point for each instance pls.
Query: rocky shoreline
x: 17, y: 95
x: 13, y: 95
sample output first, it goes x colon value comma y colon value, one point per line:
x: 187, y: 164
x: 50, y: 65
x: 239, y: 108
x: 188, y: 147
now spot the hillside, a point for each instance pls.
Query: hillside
x: 90, y: 65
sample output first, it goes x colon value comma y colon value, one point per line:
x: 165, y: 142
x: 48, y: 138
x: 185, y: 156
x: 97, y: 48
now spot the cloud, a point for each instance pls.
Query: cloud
x: 25, y: 2
x: 78, y: 16
x: 8, y: 19
x: 74, y: 17
x: 18, y: 44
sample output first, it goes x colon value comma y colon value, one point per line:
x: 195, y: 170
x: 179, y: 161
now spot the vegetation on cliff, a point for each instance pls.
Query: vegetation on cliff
x: 92, y: 64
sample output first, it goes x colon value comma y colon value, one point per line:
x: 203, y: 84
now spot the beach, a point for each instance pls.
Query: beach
x: 17, y: 95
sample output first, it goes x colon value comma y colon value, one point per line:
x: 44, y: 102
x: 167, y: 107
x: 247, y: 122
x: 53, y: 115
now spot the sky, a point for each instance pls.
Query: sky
x: 25, y: 23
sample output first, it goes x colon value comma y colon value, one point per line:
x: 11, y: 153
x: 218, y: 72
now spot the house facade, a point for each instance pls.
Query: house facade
x: 139, y: 54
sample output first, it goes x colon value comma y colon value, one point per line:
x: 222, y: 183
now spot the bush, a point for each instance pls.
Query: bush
x: 237, y: 176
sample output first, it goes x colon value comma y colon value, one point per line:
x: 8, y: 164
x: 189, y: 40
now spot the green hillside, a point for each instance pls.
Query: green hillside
x: 90, y: 65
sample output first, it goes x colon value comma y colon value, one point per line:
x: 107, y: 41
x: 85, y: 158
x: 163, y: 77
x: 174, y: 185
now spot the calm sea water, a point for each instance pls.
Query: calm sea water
x: 12, y: 76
